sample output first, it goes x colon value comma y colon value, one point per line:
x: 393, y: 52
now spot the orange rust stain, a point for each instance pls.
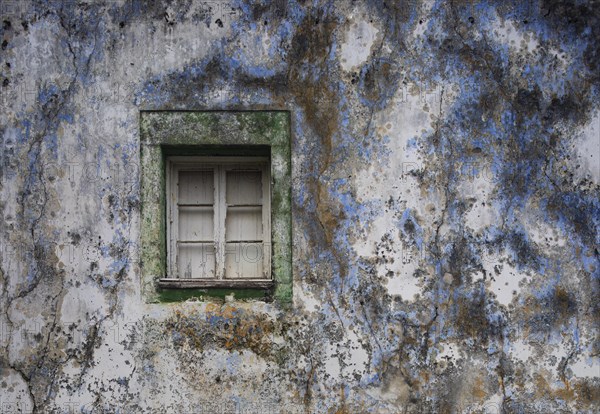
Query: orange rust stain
x: 212, y: 308
x: 543, y: 390
x: 479, y: 389
x: 228, y: 311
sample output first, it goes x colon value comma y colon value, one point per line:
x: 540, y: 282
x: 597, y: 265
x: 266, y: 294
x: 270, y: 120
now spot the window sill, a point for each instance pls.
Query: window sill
x: 212, y: 283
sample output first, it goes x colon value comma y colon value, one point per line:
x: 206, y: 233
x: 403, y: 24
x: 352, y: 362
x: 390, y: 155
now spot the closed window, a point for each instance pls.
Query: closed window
x: 218, y: 221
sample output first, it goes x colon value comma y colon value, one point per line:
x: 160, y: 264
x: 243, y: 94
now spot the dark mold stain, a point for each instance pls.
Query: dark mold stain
x: 378, y: 82
x: 550, y: 311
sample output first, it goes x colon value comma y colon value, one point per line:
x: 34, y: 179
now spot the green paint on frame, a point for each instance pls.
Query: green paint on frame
x: 252, y: 133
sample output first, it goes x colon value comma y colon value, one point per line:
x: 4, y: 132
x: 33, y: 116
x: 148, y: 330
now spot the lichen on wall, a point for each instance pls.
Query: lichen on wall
x: 445, y: 206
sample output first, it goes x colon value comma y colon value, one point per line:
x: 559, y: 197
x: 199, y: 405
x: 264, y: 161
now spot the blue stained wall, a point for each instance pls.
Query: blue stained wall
x: 445, y: 195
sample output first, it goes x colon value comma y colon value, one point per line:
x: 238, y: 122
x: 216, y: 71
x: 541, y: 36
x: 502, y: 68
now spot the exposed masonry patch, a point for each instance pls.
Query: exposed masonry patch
x: 445, y: 185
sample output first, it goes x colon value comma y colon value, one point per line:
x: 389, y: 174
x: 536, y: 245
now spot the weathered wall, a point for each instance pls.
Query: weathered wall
x: 446, y: 187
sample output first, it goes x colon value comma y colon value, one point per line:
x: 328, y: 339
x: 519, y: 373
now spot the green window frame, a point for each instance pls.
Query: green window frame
x: 166, y: 134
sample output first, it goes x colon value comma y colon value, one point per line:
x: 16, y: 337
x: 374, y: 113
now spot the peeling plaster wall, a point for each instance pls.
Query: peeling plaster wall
x: 446, y: 187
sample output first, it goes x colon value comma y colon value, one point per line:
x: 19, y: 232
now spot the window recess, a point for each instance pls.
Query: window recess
x: 230, y: 137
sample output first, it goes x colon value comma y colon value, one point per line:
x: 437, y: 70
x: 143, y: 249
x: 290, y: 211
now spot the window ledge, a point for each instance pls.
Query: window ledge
x: 212, y: 283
